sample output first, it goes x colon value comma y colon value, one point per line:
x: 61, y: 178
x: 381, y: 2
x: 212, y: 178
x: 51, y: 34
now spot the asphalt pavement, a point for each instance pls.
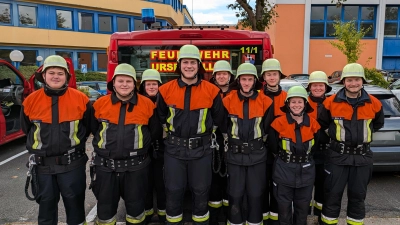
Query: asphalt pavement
x: 382, y: 203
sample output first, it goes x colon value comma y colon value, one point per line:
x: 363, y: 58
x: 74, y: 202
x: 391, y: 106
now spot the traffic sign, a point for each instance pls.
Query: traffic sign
x: 83, y: 68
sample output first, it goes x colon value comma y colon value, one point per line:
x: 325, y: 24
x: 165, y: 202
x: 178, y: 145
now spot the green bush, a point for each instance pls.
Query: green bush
x: 90, y: 76
x: 28, y: 71
x: 376, y: 77
x: 85, y: 91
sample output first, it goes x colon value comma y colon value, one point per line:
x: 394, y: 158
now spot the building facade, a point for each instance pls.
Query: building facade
x: 304, y: 28
x: 75, y: 28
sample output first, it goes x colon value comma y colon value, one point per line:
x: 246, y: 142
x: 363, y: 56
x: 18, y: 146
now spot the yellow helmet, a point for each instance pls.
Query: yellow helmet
x: 297, y: 91
x: 271, y: 65
x: 319, y: 77
x: 222, y: 65
x: 189, y: 52
x: 122, y: 69
x: 353, y: 70
x: 53, y: 61
x: 246, y: 69
x: 151, y: 74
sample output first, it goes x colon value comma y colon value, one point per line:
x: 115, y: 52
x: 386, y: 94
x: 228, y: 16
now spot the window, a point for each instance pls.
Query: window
x: 105, y: 24
x: 323, y: 18
x: 392, y: 22
x: 64, y: 19
x: 141, y: 26
x: 29, y: 57
x: 85, y: 58
x: 64, y: 54
x: 122, y: 24
x: 27, y: 15
x: 85, y: 21
x: 101, y: 61
x: 5, y: 13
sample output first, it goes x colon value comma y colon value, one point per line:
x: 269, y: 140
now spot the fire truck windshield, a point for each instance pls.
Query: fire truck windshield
x: 163, y: 58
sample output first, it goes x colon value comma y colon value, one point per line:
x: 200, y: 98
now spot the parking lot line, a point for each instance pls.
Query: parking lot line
x: 13, y: 157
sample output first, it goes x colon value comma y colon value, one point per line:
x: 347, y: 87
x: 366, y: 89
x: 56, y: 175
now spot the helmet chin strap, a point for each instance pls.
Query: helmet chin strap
x: 124, y: 96
x: 248, y: 92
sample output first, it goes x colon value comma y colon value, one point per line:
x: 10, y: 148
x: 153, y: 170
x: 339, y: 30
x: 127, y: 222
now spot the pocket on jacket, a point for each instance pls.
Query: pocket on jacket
x: 308, y: 173
x: 284, y: 173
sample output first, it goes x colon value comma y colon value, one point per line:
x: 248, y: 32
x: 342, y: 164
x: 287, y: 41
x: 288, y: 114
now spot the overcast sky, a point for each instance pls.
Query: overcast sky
x: 211, y: 11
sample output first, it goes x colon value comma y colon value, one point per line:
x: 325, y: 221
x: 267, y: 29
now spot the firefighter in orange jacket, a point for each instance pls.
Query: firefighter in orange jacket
x: 271, y: 75
x: 188, y: 108
x: 317, y: 87
x: 291, y: 140
x: 250, y: 117
x: 222, y: 76
x: 56, y: 121
x: 122, y: 126
x: 350, y: 117
x: 151, y: 81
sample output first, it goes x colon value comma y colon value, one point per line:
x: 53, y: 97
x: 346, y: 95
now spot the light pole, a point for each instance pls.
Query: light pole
x: 39, y: 59
x: 16, y: 57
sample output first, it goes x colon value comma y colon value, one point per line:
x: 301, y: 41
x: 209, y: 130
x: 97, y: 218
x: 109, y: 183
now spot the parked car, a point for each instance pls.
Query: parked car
x: 299, y: 76
x: 93, y: 94
x: 335, y: 76
x: 386, y: 141
x: 100, y: 86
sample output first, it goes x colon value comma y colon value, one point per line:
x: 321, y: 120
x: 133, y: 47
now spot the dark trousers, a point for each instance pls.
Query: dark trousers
x: 318, y: 191
x: 357, y: 179
x: 270, y: 206
x: 156, y: 183
x: 71, y: 185
x: 218, y: 199
x: 178, y: 173
x: 130, y: 185
x: 249, y: 181
x: 298, y: 198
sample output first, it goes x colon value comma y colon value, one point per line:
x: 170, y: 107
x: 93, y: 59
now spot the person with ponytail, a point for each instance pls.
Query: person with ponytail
x: 291, y: 140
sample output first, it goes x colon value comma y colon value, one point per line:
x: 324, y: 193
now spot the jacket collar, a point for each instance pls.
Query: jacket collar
x: 306, y: 119
x: 317, y: 99
x: 271, y: 93
x: 253, y: 96
x: 183, y: 84
x: 341, y: 96
x: 115, y: 99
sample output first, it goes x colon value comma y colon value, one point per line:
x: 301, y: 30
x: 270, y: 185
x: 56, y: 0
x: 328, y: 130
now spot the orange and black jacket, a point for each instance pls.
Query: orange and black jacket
x: 249, y: 120
x: 122, y: 129
x: 351, y: 122
x: 278, y: 99
x: 287, y: 136
x: 190, y: 111
x: 56, y: 122
x: 320, y: 148
x: 157, y: 145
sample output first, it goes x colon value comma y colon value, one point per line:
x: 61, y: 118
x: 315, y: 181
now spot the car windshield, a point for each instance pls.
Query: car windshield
x: 103, y: 86
x: 390, y: 104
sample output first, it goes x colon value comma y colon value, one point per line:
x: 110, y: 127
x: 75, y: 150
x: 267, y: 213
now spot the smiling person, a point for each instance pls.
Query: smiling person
x: 292, y: 139
x: 317, y: 87
x: 271, y: 75
x: 123, y: 126
x: 350, y: 117
x: 250, y: 116
x: 56, y: 121
x: 222, y: 76
x: 189, y: 108
x: 151, y: 81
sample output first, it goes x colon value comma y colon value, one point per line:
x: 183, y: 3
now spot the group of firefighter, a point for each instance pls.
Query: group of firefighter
x: 239, y: 142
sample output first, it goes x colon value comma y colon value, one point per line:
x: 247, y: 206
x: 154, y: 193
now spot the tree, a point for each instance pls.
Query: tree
x: 26, y: 20
x: 257, y: 19
x: 5, y: 16
x: 348, y: 39
x: 260, y: 17
x: 60, y: 21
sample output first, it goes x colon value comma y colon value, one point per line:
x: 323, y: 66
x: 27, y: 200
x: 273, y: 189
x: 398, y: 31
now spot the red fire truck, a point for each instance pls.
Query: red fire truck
x: 14, y: 88
x: 158, y: 48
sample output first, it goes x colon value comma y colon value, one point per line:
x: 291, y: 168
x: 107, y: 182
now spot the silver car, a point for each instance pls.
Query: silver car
x: 386, y: 141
